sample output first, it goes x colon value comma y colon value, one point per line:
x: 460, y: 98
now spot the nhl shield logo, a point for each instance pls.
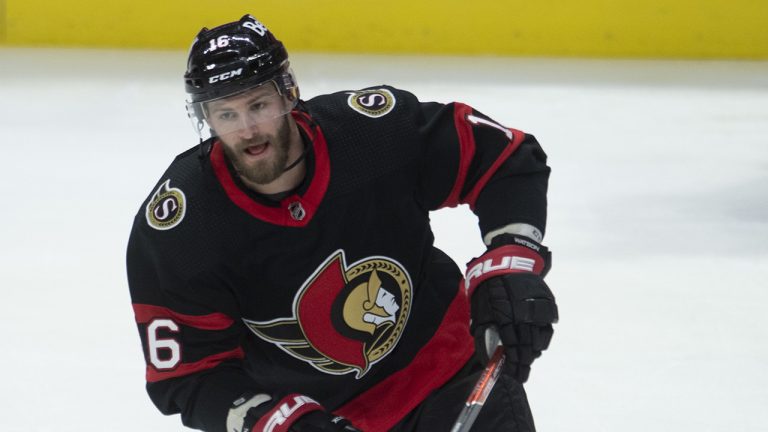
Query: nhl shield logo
x: 372, y: 103
x: 345, y: 318
x: 167, y: 207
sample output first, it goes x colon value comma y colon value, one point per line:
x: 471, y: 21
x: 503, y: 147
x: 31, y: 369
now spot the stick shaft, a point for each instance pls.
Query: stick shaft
x: 479, y: 395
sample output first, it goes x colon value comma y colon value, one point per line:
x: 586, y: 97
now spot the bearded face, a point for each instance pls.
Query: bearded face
x: 256, y: 132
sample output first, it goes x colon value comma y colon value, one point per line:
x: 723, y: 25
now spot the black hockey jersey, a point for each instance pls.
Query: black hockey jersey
x: 336, y: 291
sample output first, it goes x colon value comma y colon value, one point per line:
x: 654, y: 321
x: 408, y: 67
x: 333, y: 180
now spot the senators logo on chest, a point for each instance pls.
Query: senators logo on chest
x: 345, y: 318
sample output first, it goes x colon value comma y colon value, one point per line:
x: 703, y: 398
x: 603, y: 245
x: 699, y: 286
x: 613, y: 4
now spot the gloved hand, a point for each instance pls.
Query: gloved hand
x: 509, y: 295
x: 322, y: 421
x: 295, y: 413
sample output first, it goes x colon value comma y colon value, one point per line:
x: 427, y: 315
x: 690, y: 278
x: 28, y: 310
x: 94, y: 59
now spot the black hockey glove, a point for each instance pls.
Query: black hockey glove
x: 322, y: 421
x: 295, y: 413
x: 509, y: 295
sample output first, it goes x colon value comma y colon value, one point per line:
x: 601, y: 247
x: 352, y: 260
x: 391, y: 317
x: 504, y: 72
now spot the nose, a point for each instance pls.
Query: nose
x: 248, y: 127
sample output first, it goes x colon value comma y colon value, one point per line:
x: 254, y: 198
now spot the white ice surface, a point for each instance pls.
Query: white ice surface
x: 658, y: 224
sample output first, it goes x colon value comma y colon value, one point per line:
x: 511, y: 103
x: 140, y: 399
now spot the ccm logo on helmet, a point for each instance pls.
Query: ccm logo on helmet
x: 225, y: 76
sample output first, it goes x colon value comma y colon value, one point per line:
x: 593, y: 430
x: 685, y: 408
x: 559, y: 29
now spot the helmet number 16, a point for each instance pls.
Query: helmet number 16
x: 220, y: 42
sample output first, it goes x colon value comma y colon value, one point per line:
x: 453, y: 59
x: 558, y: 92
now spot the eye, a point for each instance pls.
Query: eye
x: 227, y: 116
x: 257, y: 106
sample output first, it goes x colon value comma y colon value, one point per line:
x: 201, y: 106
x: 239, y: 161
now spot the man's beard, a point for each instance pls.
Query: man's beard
x: 269, y: 169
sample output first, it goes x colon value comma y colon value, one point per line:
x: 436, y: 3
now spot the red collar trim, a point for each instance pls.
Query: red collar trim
x: 281, y: 215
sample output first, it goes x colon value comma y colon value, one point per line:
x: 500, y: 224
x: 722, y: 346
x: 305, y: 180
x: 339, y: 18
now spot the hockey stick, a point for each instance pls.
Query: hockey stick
x: 482, y: 389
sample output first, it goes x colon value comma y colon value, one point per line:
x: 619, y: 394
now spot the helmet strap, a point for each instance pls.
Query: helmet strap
x: 301, y: 157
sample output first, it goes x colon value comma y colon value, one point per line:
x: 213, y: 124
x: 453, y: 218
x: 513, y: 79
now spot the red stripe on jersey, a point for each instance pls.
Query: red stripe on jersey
x: 382, y: 406
x: 517, y: 139
x: 310, y: 201
x: 215, y: 321
x: 466, y: 151
x: 154, y: 375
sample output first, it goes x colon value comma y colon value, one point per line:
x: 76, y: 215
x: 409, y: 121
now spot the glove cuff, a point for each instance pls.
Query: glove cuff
x: 507, y: 254
x: 285, y: 413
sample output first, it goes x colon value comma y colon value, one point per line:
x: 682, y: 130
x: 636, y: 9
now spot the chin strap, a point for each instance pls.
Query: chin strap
x: 302, y: 110
x: 300, y: 158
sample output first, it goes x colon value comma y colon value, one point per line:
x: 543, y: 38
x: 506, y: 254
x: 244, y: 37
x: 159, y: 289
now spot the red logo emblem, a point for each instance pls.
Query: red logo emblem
x: 346, y: 318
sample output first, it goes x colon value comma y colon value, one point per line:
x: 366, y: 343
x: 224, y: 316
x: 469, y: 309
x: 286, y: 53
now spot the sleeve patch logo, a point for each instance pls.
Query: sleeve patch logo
x: 167, y: 207
x: 372, y: 103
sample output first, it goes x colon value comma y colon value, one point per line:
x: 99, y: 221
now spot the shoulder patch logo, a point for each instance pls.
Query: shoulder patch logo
x: 372, y: 103
x: 345, y: 317
x: 167, y: 207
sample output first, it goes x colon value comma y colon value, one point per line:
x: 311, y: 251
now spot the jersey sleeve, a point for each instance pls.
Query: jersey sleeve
x: 190, y: 333
x: 468, y: 158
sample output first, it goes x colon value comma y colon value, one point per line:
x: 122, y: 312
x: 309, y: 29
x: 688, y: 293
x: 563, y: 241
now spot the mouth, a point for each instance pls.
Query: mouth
x: 257, y: 149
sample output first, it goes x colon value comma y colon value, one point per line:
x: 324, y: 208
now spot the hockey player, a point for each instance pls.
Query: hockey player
x: 283, y: 273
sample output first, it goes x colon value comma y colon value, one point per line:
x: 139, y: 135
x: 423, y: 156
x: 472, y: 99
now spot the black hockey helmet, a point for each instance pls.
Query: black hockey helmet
x: 233, y: 58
